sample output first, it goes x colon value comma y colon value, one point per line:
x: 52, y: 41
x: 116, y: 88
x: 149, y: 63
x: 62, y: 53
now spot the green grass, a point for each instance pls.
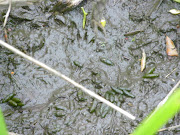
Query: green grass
x: 177, y: 1
x: 158, y: 118
x: 3, y: 130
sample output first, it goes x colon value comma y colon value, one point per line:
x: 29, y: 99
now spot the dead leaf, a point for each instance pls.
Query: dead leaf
x: 170, y: 47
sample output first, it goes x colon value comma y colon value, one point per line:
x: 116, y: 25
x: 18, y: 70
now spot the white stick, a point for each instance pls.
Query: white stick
x: 91, y: 93
x: 170, y: 72
x: 7, y: 14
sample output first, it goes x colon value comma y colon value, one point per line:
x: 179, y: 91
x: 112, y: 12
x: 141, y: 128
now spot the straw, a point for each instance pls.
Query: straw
x: 7, y: 14
x: 91, y: 93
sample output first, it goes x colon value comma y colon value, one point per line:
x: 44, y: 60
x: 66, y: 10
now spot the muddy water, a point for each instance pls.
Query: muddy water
x: 52, y: 106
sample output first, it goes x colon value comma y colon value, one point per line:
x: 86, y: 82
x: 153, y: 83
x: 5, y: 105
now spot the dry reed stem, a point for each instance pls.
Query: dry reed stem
x: 89, y: 92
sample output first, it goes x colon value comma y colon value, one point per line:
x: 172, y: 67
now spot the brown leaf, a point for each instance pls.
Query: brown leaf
x: 170, y: 47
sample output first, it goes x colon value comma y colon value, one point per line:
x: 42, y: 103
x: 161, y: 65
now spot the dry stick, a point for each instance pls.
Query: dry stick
x: 7, y: 14
x: 170, y: 72
x: 91, y: 93
x: 169, y: 128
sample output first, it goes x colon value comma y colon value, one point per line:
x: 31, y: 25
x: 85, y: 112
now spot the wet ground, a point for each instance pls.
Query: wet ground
x: 52, y: 106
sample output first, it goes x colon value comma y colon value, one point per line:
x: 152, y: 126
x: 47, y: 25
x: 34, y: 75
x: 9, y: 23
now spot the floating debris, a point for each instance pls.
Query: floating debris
x: 170, y: 47
x: 174, y: 11
x: 143, y: 60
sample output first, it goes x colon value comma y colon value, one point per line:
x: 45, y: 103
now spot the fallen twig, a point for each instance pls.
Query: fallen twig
x: 7, y: 14
x: 169, y: 128
x: 170, y: 72
x: 89, y: 92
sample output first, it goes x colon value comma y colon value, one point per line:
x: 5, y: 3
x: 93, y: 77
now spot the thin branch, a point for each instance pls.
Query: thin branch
x: 7, y: 14
x: 170, y: 72
x: 91, y: 93
x: 169, y: 128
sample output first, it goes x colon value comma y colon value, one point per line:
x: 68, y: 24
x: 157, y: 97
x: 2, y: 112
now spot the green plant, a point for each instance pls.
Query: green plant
x: 3, y: 130
x: 177, y: 1
x: 160, y: 116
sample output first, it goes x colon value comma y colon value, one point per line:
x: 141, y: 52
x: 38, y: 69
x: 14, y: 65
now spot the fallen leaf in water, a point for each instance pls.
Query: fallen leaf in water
x: 174, y: 11
x: 170, y: 47
x: 143, y: 60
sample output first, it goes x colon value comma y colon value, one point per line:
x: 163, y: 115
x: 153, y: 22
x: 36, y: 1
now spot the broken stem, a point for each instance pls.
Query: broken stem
x: 170, y: 72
